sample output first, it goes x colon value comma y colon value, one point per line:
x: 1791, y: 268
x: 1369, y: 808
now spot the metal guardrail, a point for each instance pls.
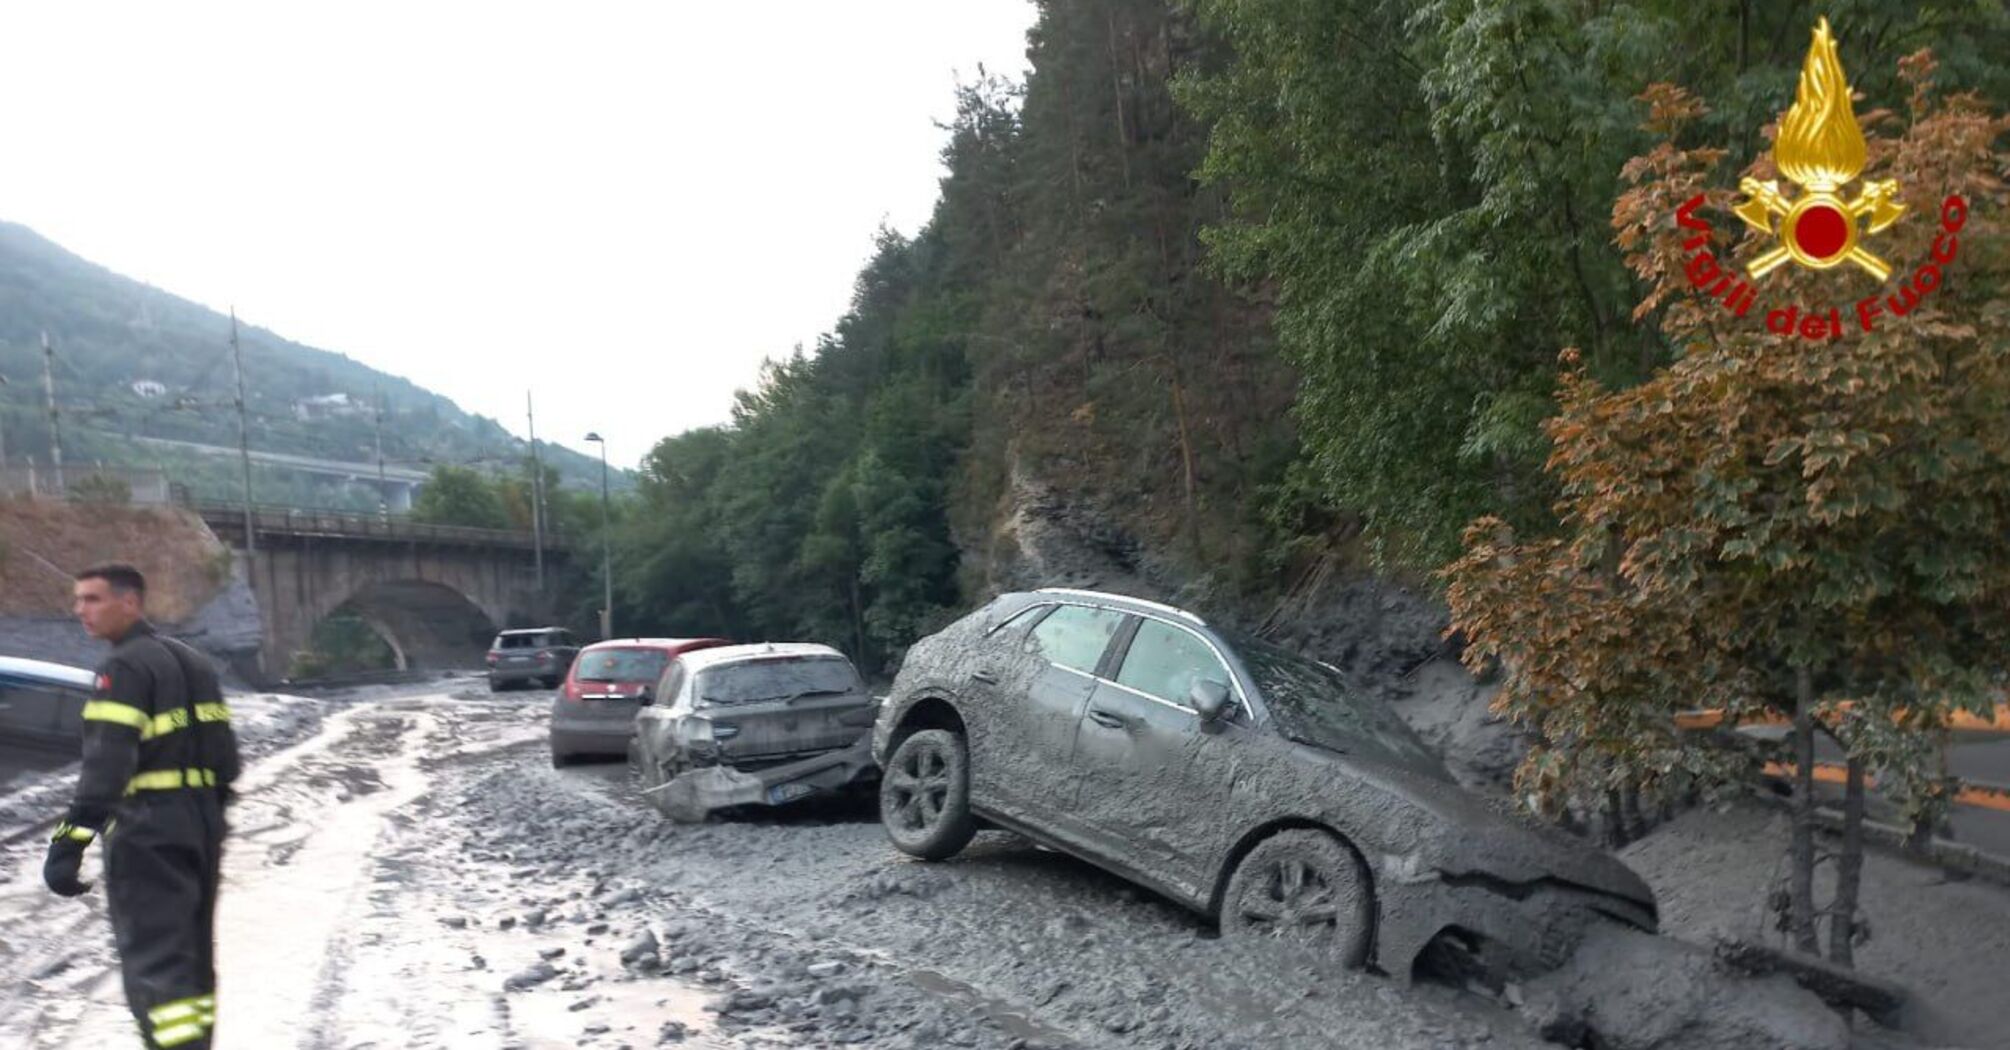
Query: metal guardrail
x: 292, y: 521
x: 1978, y: 794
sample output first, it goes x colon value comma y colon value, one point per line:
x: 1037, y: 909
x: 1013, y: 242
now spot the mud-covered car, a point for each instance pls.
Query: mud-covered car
x: 752, y: 725
x: 1237, y: 778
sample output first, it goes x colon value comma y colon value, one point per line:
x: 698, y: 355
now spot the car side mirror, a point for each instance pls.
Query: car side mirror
x: 1209, y: 698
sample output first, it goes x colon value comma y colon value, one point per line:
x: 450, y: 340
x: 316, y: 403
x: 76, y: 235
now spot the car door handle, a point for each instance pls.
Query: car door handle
x: 984, y: 676
x: 1108, y: 719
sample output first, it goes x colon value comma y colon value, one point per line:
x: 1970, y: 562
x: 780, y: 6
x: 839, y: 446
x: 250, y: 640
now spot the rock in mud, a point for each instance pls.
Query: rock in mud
x: 531, y: 977
x: 1633, y: 991
x: 641, y: 952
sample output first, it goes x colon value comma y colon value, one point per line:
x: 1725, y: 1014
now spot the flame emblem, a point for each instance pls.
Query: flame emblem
x: 1820, y: 148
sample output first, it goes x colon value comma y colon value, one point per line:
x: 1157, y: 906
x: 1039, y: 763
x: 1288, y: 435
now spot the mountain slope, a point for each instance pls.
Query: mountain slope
x: 134, y: 361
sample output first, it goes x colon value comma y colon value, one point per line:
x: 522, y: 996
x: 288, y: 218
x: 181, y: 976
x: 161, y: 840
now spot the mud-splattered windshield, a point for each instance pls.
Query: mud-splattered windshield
x: 622, y: 665
x: 776, y: 680
x: 1313, y: 705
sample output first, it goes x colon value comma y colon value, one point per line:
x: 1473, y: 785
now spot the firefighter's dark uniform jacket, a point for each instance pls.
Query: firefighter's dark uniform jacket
x: 159, y: 758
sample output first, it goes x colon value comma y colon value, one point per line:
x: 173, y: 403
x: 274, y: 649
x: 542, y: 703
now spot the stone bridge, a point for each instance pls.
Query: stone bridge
x: 436, y: 593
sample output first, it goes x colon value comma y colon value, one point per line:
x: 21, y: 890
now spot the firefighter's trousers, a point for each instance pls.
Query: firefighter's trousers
x: 163, y: 862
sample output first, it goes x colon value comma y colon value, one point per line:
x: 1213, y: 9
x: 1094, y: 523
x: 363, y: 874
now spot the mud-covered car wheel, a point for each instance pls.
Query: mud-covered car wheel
x: 560, y: 760
x: 924, y: 795
x: 1304, y: 887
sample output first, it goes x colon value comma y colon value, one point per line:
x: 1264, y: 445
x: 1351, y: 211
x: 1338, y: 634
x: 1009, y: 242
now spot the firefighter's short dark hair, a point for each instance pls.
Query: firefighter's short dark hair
x: 120, y: 577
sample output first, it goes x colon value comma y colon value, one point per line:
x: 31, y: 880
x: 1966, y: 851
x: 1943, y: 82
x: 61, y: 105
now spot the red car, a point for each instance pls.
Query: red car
x: 594, y: 712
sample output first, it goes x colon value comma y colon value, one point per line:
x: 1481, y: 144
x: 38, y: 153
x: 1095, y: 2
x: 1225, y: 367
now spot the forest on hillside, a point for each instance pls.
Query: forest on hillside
x: 132, y: 361
x: 1276, y: 285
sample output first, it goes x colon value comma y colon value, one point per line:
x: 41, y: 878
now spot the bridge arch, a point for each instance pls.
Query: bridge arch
x: 426, y: 624
x: 435, y: 593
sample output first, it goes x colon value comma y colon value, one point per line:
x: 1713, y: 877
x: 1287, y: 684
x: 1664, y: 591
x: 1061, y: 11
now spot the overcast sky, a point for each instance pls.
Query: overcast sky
x: 626, y: 205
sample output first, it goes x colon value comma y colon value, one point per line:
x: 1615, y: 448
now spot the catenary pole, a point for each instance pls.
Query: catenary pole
x: 55, y: 417
x: 243, y: 438
x: 536, y: 490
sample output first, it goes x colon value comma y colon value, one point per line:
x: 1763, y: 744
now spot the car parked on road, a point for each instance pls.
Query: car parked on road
x: 767, y: 723
x: 42, y: 704
x: 530, y: 656
x: 594, y: 711
x: 1235, y: 777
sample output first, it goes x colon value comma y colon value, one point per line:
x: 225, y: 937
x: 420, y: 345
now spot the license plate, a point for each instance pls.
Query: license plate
x: 781, y: 793
x: 516, y: 659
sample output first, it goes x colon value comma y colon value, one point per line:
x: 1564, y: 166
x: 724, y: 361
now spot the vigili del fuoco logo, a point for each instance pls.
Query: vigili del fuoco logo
x: 1819, y: 225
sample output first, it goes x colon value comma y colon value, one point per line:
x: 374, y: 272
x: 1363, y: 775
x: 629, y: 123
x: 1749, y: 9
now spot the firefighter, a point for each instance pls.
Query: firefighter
x: 159, y: 758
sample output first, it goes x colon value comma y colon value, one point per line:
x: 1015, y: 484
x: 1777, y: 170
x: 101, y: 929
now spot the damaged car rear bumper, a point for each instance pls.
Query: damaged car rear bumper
x: 691, y: 797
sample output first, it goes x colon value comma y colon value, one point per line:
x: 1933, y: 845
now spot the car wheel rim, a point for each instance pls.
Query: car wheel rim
x: 1292, y: 898
x: 920, y: 788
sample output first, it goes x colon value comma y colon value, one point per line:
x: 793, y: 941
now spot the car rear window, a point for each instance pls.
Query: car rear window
x: 776, y: 680
x: 533, y: 640
x: 622, y: 665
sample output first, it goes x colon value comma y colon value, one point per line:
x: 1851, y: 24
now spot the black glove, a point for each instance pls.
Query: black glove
x: 66, y: 858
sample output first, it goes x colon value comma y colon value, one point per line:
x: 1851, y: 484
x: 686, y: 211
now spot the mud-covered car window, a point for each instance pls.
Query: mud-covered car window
x: 776, y: 680
x: 622, y: 665
x: 1165, y: 661
x: 672, y: 683
x: 1075, y: 636
x: 1312, y: 704
x: 1018, y: 621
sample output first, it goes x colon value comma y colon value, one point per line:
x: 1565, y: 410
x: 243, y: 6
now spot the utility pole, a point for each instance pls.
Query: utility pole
x: 606, y: 548
x: 383, y: 488
x: 536, y: 490
x: 55, y: 420
x: 243, y: 440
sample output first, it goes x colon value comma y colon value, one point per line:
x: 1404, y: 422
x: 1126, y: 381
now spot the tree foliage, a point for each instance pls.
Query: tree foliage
x: 459, y: 496
x: 1422, y: 185
x: 1772, y: 524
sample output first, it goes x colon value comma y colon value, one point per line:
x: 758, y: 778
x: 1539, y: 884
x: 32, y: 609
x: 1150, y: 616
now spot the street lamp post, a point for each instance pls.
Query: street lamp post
x: 606, y: 547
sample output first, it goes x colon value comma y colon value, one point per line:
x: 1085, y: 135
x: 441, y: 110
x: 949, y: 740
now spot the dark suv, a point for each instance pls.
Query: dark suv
x: 532, y: 655
x: 1237, y: 778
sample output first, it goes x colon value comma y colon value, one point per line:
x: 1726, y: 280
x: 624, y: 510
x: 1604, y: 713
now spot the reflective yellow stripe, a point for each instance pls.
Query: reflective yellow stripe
x: 169, y: 779
x: 163, y: 724
x: 67, y: 830
x: 113, y: 711
x: 175, y: 1035
x: 179, y: 1010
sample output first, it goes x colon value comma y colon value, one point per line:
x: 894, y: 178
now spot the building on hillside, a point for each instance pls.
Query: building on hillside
x: 329, y: 406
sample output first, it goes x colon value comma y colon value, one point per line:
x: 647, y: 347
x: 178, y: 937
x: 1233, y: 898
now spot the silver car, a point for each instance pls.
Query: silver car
x: 771, y: 723
x: 1241, y: 780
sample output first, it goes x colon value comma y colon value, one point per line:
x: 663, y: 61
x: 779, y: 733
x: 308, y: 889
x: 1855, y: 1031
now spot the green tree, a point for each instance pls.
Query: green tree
x: 1773, y: 525
x: 459, y: 496
x: 1421, y: 186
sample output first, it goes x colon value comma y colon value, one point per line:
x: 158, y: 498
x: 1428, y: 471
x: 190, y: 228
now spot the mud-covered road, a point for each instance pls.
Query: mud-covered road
x: 410, y: 872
